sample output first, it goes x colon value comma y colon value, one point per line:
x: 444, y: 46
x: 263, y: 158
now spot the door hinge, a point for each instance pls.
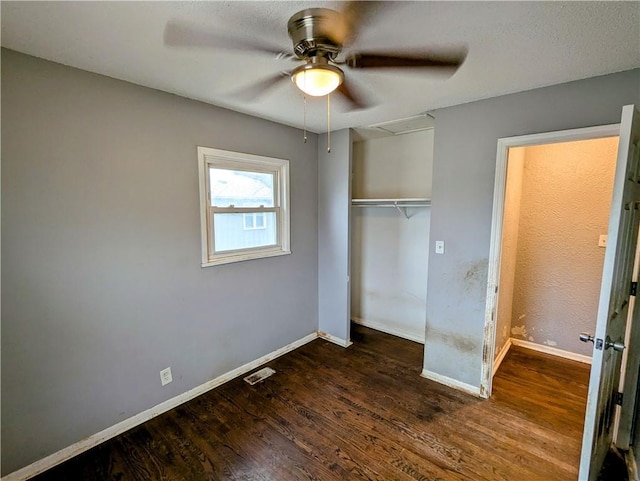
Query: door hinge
x: 634, y: 288
x: 617, y: 397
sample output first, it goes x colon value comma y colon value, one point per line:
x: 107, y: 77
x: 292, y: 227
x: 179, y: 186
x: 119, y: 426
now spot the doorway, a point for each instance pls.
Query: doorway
x: 391, y: 188
x: 555, y: 221
x: 615, y: 329
x: 539, y: 323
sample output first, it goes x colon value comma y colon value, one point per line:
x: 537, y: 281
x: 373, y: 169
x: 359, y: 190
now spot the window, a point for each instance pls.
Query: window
x: 257, y: 220
x: 244, y: 202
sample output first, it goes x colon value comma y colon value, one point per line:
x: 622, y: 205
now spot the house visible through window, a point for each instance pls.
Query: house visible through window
x: 244, y: 206
x: 255, y: 221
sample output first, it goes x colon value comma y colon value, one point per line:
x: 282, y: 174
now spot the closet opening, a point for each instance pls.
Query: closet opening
x: 390, y: 217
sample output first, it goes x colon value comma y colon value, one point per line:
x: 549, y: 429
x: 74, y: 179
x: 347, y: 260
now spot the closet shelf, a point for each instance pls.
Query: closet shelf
x: 400, y: 204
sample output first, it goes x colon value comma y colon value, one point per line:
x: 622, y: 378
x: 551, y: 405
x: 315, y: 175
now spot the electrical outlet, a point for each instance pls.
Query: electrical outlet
x: 165, y: 376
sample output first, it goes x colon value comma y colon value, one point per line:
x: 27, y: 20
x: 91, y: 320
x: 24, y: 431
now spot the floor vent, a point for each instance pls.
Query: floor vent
x: 260, y: 375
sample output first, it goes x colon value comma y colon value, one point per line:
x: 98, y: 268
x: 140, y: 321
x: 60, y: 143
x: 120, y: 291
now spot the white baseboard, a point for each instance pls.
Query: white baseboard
x: 453, y: 383
x: 336, y: 340
x: 501, y: 355
x: 81, y: 446
x: 632, y: 466
x: 551, y: 350
x: 381, y: 326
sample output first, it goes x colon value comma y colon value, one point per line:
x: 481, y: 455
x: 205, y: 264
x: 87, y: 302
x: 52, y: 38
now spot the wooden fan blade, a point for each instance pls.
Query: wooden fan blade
x: 348, y: 92
x: 180, y: 34
x: 259, y: 88
x: 391, y: 60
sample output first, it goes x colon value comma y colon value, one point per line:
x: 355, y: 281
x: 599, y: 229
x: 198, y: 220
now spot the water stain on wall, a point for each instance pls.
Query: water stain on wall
x: 459, y: 341
x: 402, y: 296
x: 476, y: 275
x: 486, y: 346
x: 519, y: 331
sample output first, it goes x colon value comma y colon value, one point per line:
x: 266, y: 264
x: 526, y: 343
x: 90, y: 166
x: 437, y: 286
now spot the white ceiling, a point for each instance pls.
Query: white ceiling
x: 513, y: 46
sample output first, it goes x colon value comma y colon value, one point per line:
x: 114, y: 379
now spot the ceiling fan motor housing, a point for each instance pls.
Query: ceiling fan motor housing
x: 315, y: 32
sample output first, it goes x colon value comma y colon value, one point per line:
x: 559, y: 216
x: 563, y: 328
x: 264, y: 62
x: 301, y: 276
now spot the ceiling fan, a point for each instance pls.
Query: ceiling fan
x: 319, y: 36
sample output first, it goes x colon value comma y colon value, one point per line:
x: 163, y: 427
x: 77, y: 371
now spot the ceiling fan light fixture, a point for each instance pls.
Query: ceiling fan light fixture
x: 317, y: 80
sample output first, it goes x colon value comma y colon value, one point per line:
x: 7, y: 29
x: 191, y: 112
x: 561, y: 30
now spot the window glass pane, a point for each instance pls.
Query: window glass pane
x: 255, y: 220
x: 241, y: 188
x: 230, y: 232
x: 248, y: 221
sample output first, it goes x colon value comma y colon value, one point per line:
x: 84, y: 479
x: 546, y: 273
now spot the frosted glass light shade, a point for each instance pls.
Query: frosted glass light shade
x: 317, y: 80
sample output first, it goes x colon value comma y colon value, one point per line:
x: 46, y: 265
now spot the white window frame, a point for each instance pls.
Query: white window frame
x: 208, y: 158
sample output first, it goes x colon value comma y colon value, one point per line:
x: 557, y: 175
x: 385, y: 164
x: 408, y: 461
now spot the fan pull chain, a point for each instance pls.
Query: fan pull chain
x: 329, y: 123
x: 305, y: 119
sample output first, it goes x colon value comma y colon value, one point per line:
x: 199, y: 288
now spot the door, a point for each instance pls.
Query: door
x: 614, y: 299
x: 630, y: 367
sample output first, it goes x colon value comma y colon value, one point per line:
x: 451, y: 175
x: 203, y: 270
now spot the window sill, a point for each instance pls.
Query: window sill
x: 245, y: 256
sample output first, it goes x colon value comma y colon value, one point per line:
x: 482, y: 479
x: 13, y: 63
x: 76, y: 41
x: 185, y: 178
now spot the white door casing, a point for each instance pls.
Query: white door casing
x: 614, y: 299
x: 504, y: 144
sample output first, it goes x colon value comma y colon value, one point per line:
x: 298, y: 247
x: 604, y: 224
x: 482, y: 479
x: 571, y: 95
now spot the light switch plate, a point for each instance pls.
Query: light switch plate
x: 439, y: 247
x: 602, y: 240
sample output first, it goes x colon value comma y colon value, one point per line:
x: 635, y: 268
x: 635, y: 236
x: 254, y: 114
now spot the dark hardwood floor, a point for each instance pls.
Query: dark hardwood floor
x: 359, y: 413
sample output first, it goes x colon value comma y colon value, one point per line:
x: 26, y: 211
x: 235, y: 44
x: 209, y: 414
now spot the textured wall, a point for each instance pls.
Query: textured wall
x: 101, y: 279
x: 509, y: 249
x: 389, y: 252
x: 463, y: 181
x: 566, y: 194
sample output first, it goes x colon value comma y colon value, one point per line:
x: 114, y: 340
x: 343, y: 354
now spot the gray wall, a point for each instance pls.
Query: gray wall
x: 463, y: 178
x: 102, y: 284
x: 334, y: 212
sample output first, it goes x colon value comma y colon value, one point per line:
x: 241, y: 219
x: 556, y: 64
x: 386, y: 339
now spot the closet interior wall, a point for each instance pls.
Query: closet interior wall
x: 390, y: 251
x: 556, y: 208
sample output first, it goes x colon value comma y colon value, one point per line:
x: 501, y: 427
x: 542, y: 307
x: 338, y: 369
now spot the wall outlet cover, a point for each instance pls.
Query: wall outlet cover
x: 165, y: 376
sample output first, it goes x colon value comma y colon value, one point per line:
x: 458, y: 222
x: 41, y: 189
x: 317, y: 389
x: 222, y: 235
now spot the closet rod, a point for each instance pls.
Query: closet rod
x: 400, y: 205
